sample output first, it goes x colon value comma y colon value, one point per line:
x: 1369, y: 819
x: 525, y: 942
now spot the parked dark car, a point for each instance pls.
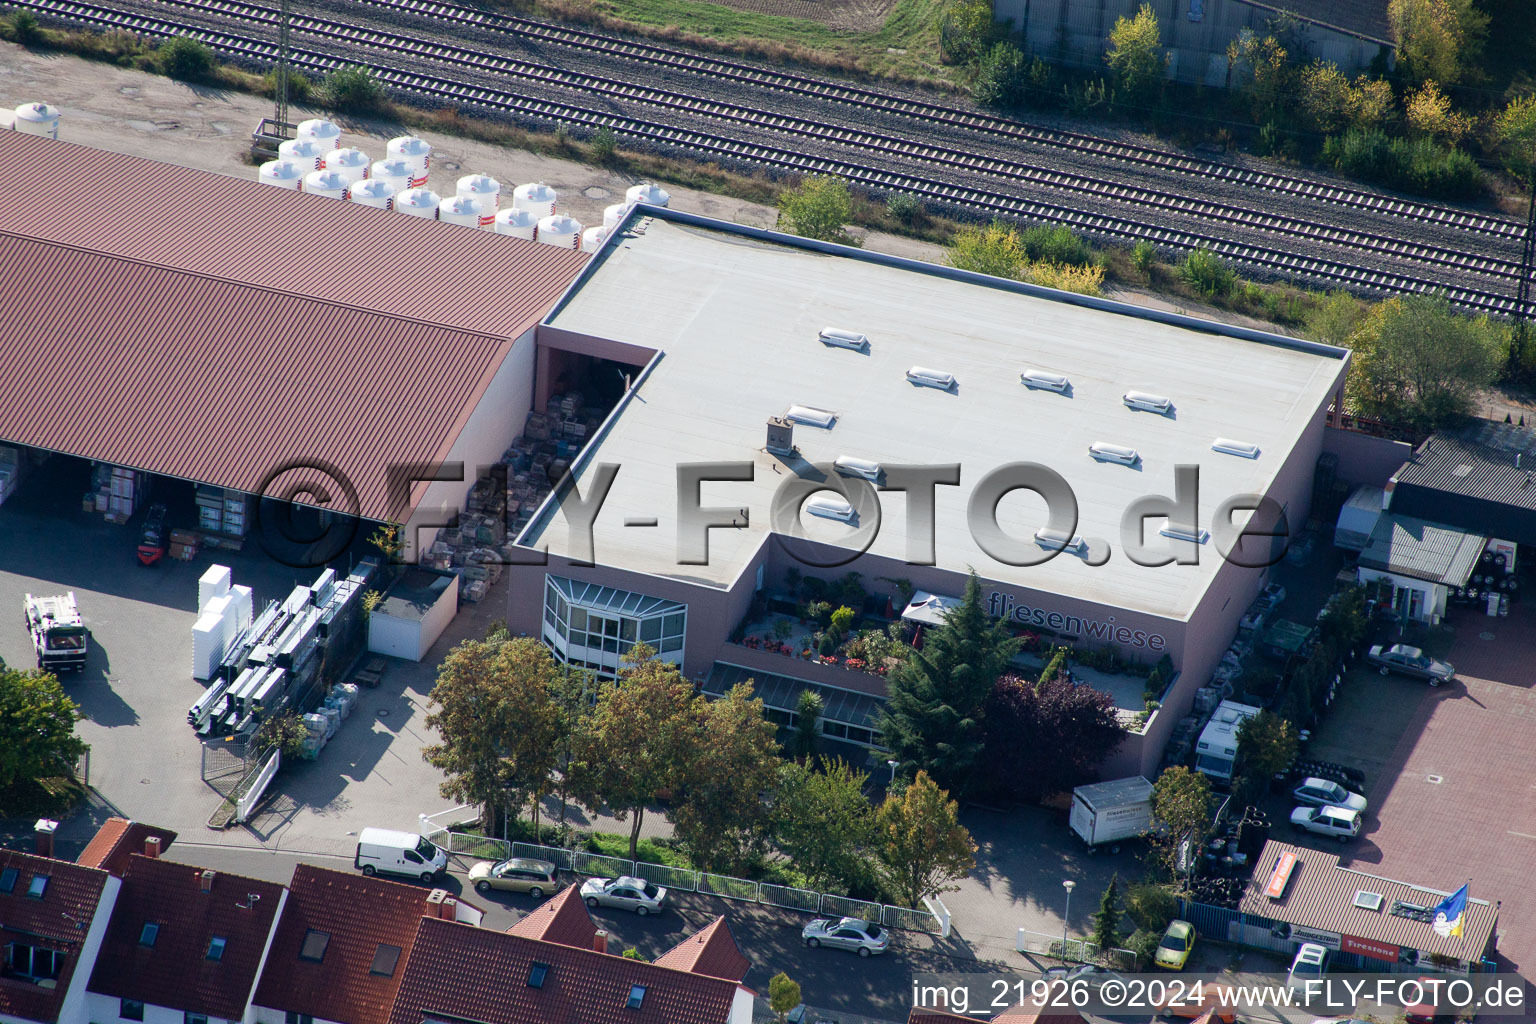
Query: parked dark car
x: 1410, y: 661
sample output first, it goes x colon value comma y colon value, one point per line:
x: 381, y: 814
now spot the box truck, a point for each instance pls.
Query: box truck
x: 1108, y: 812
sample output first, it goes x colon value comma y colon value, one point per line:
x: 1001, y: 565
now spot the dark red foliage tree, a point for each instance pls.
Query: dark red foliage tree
x: 1045, y: 738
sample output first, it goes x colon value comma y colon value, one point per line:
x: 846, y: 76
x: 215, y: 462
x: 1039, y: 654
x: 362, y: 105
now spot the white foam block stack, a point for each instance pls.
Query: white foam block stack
x: 211, y: 634
x: 244, y: 606
x: 213, y: 583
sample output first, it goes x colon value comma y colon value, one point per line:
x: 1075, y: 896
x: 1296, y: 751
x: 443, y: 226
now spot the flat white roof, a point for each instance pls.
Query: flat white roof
x: 736, y: 319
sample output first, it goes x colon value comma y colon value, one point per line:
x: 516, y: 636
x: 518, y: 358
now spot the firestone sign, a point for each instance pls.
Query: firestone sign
x: 1002, y: 606
x: 1371, y: 948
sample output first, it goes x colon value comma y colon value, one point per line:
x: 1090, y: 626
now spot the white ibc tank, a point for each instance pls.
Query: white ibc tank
x: 647, y: 193
x: 484, y: 190
x: 537, y: 199
x: 378, y: 194
x: 351, y: 164
x: 283, y: 174
x: 460, y: 210
x: 613, y: 214
x: 560, y: 231
x: 37, y: 119
x: 414, y: 151
x: 331, y: 184
x: 397, y: 174
x: 302, y: 151
x: 592, y: 239
x: 321, y: 131
x: 517, y: 223
x: 418, y: 202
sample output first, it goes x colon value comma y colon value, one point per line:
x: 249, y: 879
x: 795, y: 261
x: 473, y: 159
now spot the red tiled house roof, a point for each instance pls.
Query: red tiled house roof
x: 712, y: 951
x: 56, y: 921
x: 920, y: 1015
x: 117, y: 840
x: 457, y: 972
x: 563, y: 918
x: 356, y: 915
x: 177, y: 971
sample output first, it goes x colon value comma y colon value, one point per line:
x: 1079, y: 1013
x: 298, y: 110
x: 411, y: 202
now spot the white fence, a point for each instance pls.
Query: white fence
x: 1073, y: 950
x: 246, y: 802
x: 935, y: 919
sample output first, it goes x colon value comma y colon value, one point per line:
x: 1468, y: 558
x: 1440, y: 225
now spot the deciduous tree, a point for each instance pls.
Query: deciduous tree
x: 1136, y: 53
x: 1046, y: 737
x: 783, y: 996
x: 1418, y: 363
x: 825, y: 826
x: 1266, y: 746
x: 1437, y: 39
x: 37, y: 727
x: 819, y: 207
x: 732, y: 761
x: 1181, y: 813
x: 921, y: 844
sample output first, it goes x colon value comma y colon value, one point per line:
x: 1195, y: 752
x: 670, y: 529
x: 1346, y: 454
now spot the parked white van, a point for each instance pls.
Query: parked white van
x: 382, y: 850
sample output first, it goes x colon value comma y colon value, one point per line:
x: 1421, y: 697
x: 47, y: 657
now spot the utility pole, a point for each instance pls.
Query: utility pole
x: 1527, y: 259
x: 280, y: 85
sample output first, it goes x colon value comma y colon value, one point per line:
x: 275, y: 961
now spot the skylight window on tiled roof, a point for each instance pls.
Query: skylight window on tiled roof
x: 8, y: 879
x: 216, y: 947
x: 149, y: 933
x: 536, y: 975
x: 636, y: 996
x: 384, y: 960
x: 37, y: 886
x: 314, y: 945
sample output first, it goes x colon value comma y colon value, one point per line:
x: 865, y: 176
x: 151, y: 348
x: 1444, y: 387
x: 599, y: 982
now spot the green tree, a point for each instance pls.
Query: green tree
x: 1263, y: 68
x: 932, y: 720
x: 1106, y: 923
x: 24, y: 27
x: 995, y: 249
x: 1001, y: 76
x: 1136, y: 53
x: 185, y: 58
x: 1418, y: 363
x: 285, y: 732
x: 825, y: 825
x: 640, y: 735
x: 807, y: 737
x: 353, y: 89
x: 574, y: 693
x: 1151, y: 906
x: 1438, y: 39
x: 1266, y: 746
x: 818, y: 208
x: 733, y: 760
x: 1515, y: 130
x: 1181, y: 813
x: 530, y: 752
x: 921, y: 844
x: 1335, y: 318
x: 965, y: 26
x: 37, y: 727
x: 783, y: 996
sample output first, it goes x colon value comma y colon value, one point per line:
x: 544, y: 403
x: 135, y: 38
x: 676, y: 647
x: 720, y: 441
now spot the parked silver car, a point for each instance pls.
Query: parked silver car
x: 863, y: 937
x: 1410, y: 661
x: 625, y: 892
x: 1090, y: 975
x: 1321, y: 793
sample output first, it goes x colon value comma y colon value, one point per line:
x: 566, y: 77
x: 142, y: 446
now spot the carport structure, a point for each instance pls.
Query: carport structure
x: 221, y: 331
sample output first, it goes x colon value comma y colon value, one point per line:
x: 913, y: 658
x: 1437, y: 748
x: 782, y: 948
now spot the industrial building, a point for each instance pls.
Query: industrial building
x: 736, y: 381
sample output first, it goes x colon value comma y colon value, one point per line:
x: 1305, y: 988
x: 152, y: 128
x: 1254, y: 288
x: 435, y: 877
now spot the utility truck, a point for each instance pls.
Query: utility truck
x: 1109, y: 812
x: 59, y: 637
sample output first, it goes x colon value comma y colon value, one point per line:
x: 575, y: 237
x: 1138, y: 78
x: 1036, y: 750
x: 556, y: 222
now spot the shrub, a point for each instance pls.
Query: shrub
x: 353, y: 89
x: 1151, y: 907
x: 605, y: 143
x: 905, y: 208
x: 1413, y: 165
x: 1058, y: 244
x: 184, y: 58
x: 1067, y: 278
x: 817, y: 208
x: 24, y: 28
x: 842, y: 619
x: 1144, y: 944
x: 1143, y: 257
x: 300, y: 89
x: 1001, y: 76
x: 995, y: 249
x: 1207, y: 273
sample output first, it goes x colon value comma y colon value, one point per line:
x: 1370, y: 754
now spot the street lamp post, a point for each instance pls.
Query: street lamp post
x: 892, y: 766
x: 1068, y: 885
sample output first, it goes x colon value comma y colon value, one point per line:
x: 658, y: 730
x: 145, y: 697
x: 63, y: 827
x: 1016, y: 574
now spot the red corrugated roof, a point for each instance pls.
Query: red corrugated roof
x: 357, y: 914
x: 563, y: 918
x: 176, y: 971
x: 712, y: 951
x: 117, y: 840
x: 59, y: 921
x: 212, y: 328
x: 461, y: 972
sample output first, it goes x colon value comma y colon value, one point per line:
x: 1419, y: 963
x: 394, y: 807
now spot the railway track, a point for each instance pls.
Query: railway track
x: 975, y: 200
x: 941, y: 156
x: 970, y: 120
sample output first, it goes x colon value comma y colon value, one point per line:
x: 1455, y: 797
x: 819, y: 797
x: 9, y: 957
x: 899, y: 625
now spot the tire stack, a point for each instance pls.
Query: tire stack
x: 1253, y: 831
x: 1219, y: 892
x: 1349, y: 778
x: 1491, y: 576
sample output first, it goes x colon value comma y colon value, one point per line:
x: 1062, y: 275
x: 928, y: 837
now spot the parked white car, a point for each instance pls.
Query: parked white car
x: 1341, y: 823
x: 626, y: 893
x: 1311, y: 961
x: 1316, y: 792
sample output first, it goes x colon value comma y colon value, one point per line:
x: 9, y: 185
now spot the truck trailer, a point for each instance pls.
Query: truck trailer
x: 58, y: 635
x: 1108, y: 812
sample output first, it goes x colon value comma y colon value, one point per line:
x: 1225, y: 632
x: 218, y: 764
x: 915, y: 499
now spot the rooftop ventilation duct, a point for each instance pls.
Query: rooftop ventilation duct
x: 927, y: 378
x: 1059, y: 540
x: 1148, y: 403
x: 828, y: 506
x: 847, y: 465
x: 811, y: 417
x: 1119, y: 453
x: 840, y: 338
x: 1243, y: 449
x: 1045, y: 380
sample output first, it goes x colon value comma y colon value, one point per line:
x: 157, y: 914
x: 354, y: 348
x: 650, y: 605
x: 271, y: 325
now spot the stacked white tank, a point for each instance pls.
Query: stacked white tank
x: 517, y: 223
x: 351, y: 164
x: 397, y: 174
x: 320, y: 131
x: 485, y: 191
x: 331, y: 184
x: 560, y: 231
x: 613, y: 214
x: 286, y: 174
x: 538, y: 199
x: 414, y: 151
x: 418, y: 202
x: 592, y: 239
x: 305, y: 151
x: 372, y: 192
x: 461, y: 210
x: 648, y: 194
x: 36, y: 119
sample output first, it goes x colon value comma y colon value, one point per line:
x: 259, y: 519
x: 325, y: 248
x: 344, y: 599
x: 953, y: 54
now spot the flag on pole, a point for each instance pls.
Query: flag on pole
x: 1450, y: 914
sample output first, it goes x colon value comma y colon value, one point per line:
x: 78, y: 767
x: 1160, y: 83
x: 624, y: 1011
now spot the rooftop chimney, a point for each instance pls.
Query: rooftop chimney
x: 42, y: 837
x: 448, y: 910
x: 152, y: 846
x: 600, y: 941
x: 435, y: 900
x: 205, y: 880
x: 781, y: 436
